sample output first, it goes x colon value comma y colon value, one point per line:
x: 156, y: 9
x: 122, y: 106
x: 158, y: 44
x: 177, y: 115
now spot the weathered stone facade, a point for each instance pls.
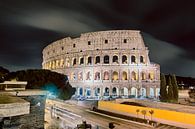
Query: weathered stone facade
x: 105, y: 63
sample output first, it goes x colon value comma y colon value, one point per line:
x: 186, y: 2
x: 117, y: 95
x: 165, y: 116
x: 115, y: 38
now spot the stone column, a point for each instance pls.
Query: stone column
x: 129, y: 91
x: 84, y: 91
x: 147, y: 91
x: 155, y: 93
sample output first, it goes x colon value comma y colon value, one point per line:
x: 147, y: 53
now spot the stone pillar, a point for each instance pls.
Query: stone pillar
x: 155, y: 93
x: 129, y: 91
x: 110, y: 91
x: 147, y: 91
x: 84, y: 91
x: 102, y: 91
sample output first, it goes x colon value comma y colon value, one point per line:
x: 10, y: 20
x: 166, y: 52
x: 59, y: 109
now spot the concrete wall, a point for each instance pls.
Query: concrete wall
x: 181, y: 119
x: 34, y: 120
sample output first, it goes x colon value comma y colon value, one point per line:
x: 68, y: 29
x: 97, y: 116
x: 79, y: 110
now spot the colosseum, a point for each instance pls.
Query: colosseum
x: 105, y: 64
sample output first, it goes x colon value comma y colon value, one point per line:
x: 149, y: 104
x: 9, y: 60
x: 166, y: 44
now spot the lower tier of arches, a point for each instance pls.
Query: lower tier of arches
x: 116, y: 91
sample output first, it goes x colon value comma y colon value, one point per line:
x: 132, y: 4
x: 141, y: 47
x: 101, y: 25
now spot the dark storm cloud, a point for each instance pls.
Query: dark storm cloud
x: 27, y: 26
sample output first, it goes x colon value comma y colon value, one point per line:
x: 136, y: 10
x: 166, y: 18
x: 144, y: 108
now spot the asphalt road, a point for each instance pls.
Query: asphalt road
x: 70, y: 115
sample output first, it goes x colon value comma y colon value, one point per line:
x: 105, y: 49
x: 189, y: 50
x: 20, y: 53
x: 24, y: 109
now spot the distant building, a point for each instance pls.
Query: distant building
x: 13, y: 85
x: 105, y: 63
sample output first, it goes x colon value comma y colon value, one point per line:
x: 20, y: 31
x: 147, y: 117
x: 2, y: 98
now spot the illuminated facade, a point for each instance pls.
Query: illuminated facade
x: 105, y: 63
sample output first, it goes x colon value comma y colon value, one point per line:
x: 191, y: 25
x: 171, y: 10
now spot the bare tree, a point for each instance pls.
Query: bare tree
x: 151, y: 113
x: 144, y: 113
x: 137, y: 111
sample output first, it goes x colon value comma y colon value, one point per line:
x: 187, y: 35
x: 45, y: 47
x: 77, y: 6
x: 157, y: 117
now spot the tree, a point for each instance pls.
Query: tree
x: 163, y: 88
x: 192, y: 94
x: 137, y: 111
x: 151, y: 113
x: 175, y: 87
x: 3, y: 74
x: 170, y: 90
x: 144, y: 113
x: 45, y: 79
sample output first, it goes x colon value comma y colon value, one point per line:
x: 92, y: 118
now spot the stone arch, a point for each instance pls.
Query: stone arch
x: 89, y: 60
x: 141, y: 59
x: 151, y: 92
x: 97, y: 76
x: 74, y: 61
x: 73, y: 76
x: 80, y: 76
x: 67, y: 62
x: 133, y: 75
x: 125, y: 91
x: 62, y: 63
x: 151, y: 75
x: 115, y: 59
x: 97, y: 59
x: 133, y: 59
x: 143, y: 92
x: 88, y: 75
x: 124, y: 75
x: 124, y: 59
x: 88, y: 91
x: 114, y: 91
x: 106, y: 75
x: 115, y: 75
x: 134, y: 91
x: 106, y: 91
x: 143, y: 75
x: 81, y: 91
x: 106, y: 59
x: 97, y: 91
x: 81, y: 61
x: 157, y: 92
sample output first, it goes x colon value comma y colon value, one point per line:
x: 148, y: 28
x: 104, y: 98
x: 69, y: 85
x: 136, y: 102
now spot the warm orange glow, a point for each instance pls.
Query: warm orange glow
x: 174, y: 116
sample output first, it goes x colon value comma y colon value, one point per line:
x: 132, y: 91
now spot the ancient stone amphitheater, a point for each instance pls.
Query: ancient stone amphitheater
x: 105, y: 63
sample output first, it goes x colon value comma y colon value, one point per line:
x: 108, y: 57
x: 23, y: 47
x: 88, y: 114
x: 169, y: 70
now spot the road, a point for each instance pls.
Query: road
x: 71, y: 115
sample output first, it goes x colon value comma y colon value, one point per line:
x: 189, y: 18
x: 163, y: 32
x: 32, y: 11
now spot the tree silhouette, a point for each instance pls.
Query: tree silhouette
x: 151, y: 113
x: 137, y: 112
x: 144, y: 113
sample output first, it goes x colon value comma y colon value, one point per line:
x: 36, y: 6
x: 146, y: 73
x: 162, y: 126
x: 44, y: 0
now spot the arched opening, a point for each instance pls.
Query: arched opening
x: 57, y: 63
x: 115, y: 75
x: 133, y: 60
x: 124, y: 59
x: 106, y: 75
x: 97, y: 76
x: 134, y: 91
x: 114, y: 91
x: 143, y: 76
x: 106, y: 59
x: 115, y: 59
x: 80, y: 76
x: 124, y: 77
x: 73, y: 76
x: 157, y: 92
x: 151, y: 92
x: 88, y: 76
x: 61, y: 63
x: 74, y: 61
x: 141, y: 59
x: 133, y: 76
x: 106, y: 91
x: 81, y: 60
x: 89, y: 60
x: 151, y: 76
x: 97, y: 59
x: 67, y: 62
x: 143, y: 92
x: 125, y: 91
x: 81, y: 91
x: 97, y: 91
x: 88, y: 92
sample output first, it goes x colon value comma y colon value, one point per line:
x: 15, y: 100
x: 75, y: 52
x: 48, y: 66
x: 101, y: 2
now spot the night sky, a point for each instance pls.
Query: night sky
x: 168, y: 27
